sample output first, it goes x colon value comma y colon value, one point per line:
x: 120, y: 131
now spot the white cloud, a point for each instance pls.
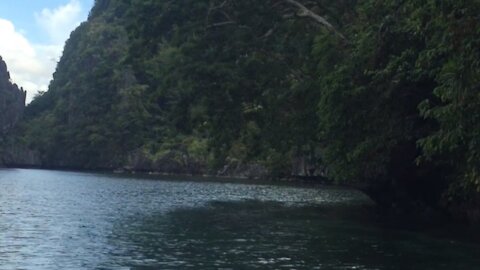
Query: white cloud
x: 59, y: 22
x: 31, y: 65
x: 23, y: 62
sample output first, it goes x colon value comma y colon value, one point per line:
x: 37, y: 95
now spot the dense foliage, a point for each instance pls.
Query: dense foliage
x: 388, y: 98
x: 12, y: 104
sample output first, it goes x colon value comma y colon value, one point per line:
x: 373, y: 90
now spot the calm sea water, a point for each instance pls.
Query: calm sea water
x: 70, y: 220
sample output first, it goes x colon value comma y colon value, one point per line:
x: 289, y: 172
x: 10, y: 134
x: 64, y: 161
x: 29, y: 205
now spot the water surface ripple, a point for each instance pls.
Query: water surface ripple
x: 70, y: 220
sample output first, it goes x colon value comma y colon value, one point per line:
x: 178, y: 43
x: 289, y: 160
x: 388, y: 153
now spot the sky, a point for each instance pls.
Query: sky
x: 32, y: 36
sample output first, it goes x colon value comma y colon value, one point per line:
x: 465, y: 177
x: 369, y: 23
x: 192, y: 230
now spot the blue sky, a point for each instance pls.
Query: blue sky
x: 32, y: 36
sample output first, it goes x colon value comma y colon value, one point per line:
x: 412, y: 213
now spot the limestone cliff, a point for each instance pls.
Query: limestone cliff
x: 12, y: 104
x: 12, y: 100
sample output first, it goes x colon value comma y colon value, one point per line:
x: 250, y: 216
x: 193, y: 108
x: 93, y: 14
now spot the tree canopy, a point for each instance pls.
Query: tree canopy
x: 378, y: 94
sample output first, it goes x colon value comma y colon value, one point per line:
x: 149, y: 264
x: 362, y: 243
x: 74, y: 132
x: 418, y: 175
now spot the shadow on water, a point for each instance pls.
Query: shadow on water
x: 270, y: 235
x: 71, y: 220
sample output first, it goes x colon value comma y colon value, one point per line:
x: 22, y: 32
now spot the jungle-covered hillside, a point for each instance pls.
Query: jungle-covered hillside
x: 382, y: 95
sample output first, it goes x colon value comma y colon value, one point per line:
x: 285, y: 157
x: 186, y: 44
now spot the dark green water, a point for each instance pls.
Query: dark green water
x: 68, y: 220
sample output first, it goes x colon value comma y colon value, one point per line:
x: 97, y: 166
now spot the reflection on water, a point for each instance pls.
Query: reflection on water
x: 66, y: 220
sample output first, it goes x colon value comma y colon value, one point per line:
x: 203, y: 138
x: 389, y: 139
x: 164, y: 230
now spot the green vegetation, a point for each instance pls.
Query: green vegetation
x: 12, y: 104
x: 384, y: 95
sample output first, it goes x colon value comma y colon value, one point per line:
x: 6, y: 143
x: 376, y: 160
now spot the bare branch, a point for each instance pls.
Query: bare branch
x: 269, y: 32
x: 305, y: 12
x: 221, y: 24
x: 219, y: 6
x: 213, y: 9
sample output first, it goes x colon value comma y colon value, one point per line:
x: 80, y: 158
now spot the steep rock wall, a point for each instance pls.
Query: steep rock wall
x: 12, y: 105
